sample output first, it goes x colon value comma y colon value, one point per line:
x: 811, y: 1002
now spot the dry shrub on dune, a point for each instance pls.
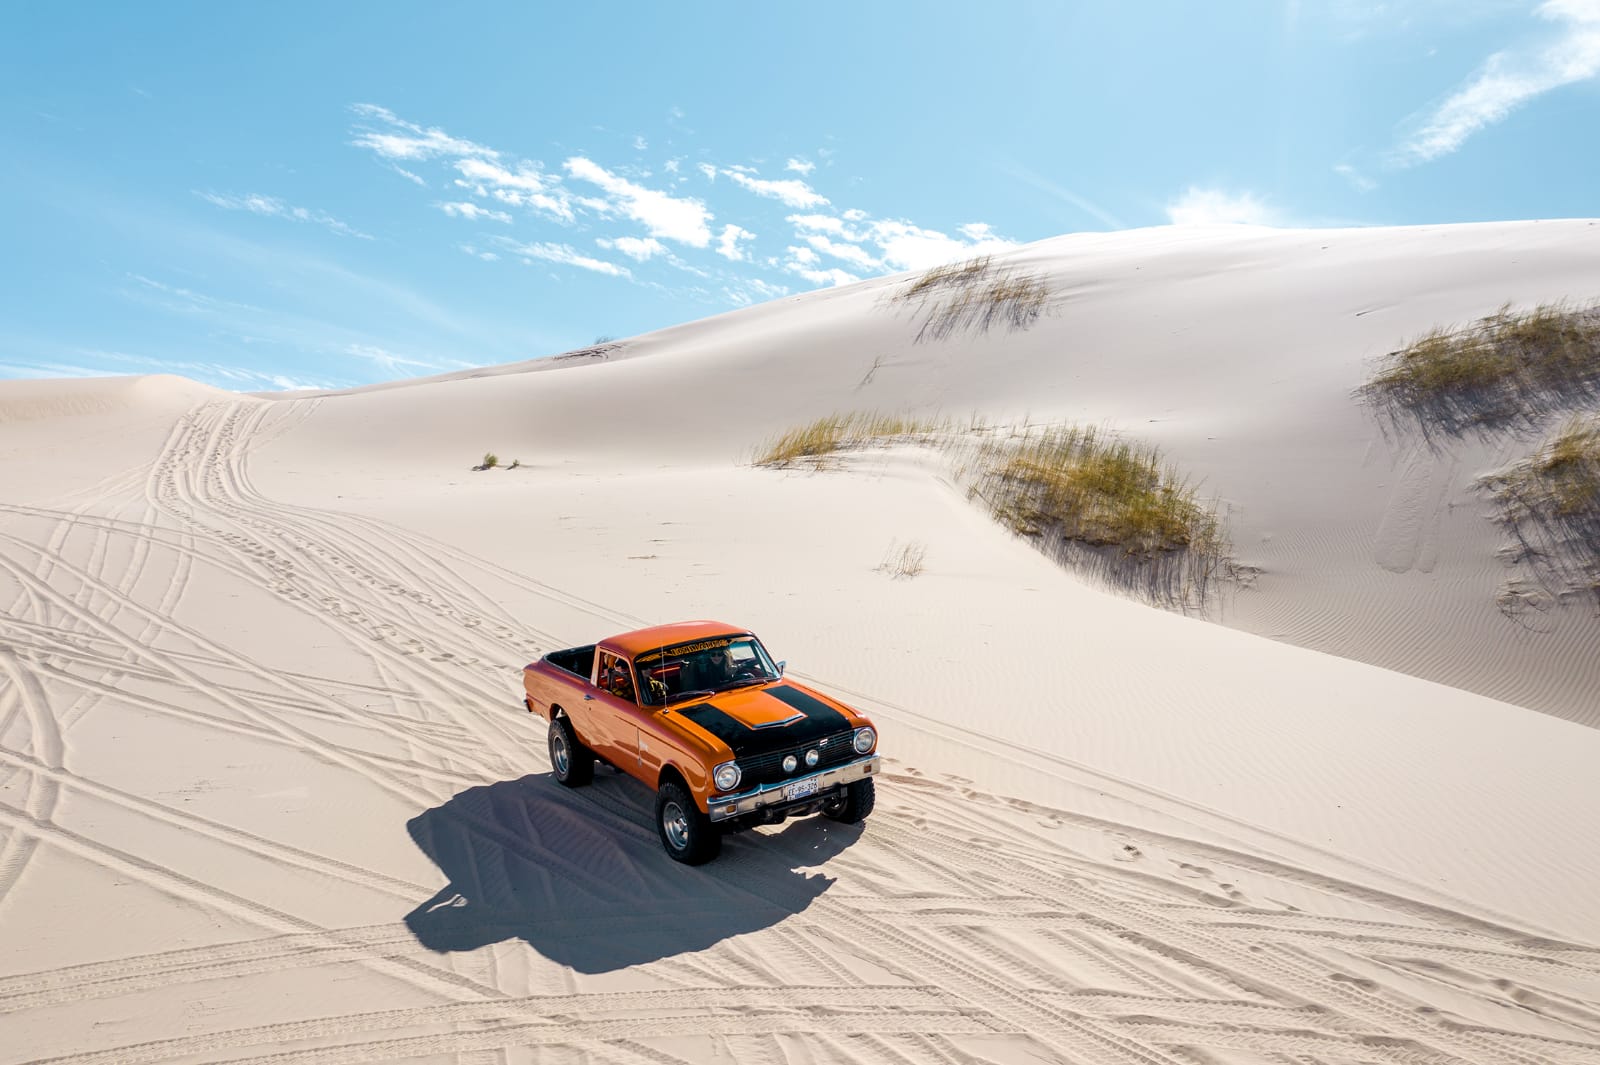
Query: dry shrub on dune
x: 1550, y: 502
x: 973, y: 296
x: 833, y: 433
x: 1088, y: 499
x: 1511, y: 372
x: 1507, y: 370
x: 1106, y: 504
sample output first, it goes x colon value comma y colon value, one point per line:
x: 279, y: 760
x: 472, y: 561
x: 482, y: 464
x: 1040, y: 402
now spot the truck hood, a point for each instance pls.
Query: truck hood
x: 773, y: 717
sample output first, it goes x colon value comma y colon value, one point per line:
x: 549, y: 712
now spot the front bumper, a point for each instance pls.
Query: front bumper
x: 724, y: 807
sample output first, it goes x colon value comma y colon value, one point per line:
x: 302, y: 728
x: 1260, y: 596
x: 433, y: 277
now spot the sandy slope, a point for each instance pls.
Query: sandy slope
x: 266, y: 793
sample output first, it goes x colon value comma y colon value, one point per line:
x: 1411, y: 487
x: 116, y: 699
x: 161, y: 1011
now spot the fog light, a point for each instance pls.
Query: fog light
x: 789, y: 763
x: 811, y: 757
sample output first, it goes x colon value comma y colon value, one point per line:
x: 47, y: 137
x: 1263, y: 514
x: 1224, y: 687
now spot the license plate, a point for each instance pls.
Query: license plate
x: 800, y: 789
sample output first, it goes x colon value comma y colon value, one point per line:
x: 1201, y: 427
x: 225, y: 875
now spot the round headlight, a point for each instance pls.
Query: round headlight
x: 811, y: 756
x: 789, y: 763
x: 865, y: 739
x: 726, y: 776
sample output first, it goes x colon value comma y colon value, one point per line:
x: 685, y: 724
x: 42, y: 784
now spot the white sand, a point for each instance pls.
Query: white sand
x: 266, y: 791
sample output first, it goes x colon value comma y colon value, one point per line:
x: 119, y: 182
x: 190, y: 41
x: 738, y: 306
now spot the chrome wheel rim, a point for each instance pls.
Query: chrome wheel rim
x: 675, y: 825
x: 558, y: 752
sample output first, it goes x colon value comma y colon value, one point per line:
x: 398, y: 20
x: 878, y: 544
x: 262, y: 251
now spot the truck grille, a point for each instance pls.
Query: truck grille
x: 768, y: 768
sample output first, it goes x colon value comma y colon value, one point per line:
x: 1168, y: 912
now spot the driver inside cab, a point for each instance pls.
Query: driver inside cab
x: 617, y: 680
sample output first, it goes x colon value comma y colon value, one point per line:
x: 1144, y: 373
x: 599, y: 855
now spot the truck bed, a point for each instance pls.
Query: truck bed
x: 575, y: 660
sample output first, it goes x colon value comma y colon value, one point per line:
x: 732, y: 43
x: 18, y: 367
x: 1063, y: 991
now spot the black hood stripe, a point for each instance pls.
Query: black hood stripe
x: 719, y: 724
x: 820, y: 720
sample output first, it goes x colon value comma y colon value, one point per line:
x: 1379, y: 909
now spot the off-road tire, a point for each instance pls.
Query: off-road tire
x: 571, y: 761
x: 859, y: 796
x: 687, y: 834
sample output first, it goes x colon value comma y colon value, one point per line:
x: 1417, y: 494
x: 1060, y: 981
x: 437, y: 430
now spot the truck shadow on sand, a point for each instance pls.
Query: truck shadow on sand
x: 582, y: 878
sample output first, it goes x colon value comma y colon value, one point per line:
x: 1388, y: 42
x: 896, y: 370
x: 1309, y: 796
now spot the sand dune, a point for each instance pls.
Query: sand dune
x: 266, y: 792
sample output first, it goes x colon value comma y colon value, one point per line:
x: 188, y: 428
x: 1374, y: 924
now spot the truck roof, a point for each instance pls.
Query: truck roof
x: 640, y: 640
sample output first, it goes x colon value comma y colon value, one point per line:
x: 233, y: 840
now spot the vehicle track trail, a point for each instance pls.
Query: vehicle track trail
x: 956, y: 926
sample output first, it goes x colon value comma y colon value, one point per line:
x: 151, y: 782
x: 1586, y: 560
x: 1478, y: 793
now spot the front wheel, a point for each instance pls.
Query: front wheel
x: 686, y: 833
x: 572, y: 762
x: 854, y: 805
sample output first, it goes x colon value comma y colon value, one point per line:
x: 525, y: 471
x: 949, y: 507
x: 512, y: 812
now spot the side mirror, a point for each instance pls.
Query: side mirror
x: 780, y: 667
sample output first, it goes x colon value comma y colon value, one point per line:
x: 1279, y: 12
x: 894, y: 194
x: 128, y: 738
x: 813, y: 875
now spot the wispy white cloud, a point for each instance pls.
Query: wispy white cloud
x: 826, y: 223
x: 640, y: 144
x: 187, y: 297
x: 792, y: 192
x: 639, y: 249
x: 1356, y: 178
x: 750, y: 290
x: 904, y: 246
x: 850, y: 253
x: 1066, y: 195
x: 477, y: 253
x: 407, y: 140
x: 526, y: 186
x: 807, y: 263
x: 1510, y: 78
x: 26, y: 370
x: 408, y: 175
x: 833, y: 247
x: 564, y: 253
x: 525, y: 178
x: 686, y: 221
x: 271, y: 206
x: 728, y: 243
x: 472, y: 212
x: 1202, y: 207
x: 900, y: 245
x: 107, y: 363
x: 387, y: 360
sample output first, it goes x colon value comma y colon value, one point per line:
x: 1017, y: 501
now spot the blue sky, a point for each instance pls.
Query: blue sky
x: 270, y: 196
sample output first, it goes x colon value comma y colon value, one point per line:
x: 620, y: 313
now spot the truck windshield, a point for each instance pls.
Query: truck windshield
x: 703, y: 667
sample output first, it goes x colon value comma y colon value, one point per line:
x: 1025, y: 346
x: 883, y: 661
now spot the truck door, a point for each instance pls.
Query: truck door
x: 617, y: 731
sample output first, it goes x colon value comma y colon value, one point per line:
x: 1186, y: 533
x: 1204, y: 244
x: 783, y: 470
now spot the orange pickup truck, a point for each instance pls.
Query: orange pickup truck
x: 699, y: 711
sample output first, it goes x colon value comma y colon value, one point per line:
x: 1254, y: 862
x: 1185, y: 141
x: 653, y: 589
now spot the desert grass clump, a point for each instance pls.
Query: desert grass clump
x: 1103, y: 492
x: 490, y: 461
x: 1506, y: 370
x: 1089, y: 500
x: 904, y: 560
x: 833, y: 433
x: 1550, y: 503
x: 1107, y: 504
x: 952, y: 275
x: 973, y: 296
